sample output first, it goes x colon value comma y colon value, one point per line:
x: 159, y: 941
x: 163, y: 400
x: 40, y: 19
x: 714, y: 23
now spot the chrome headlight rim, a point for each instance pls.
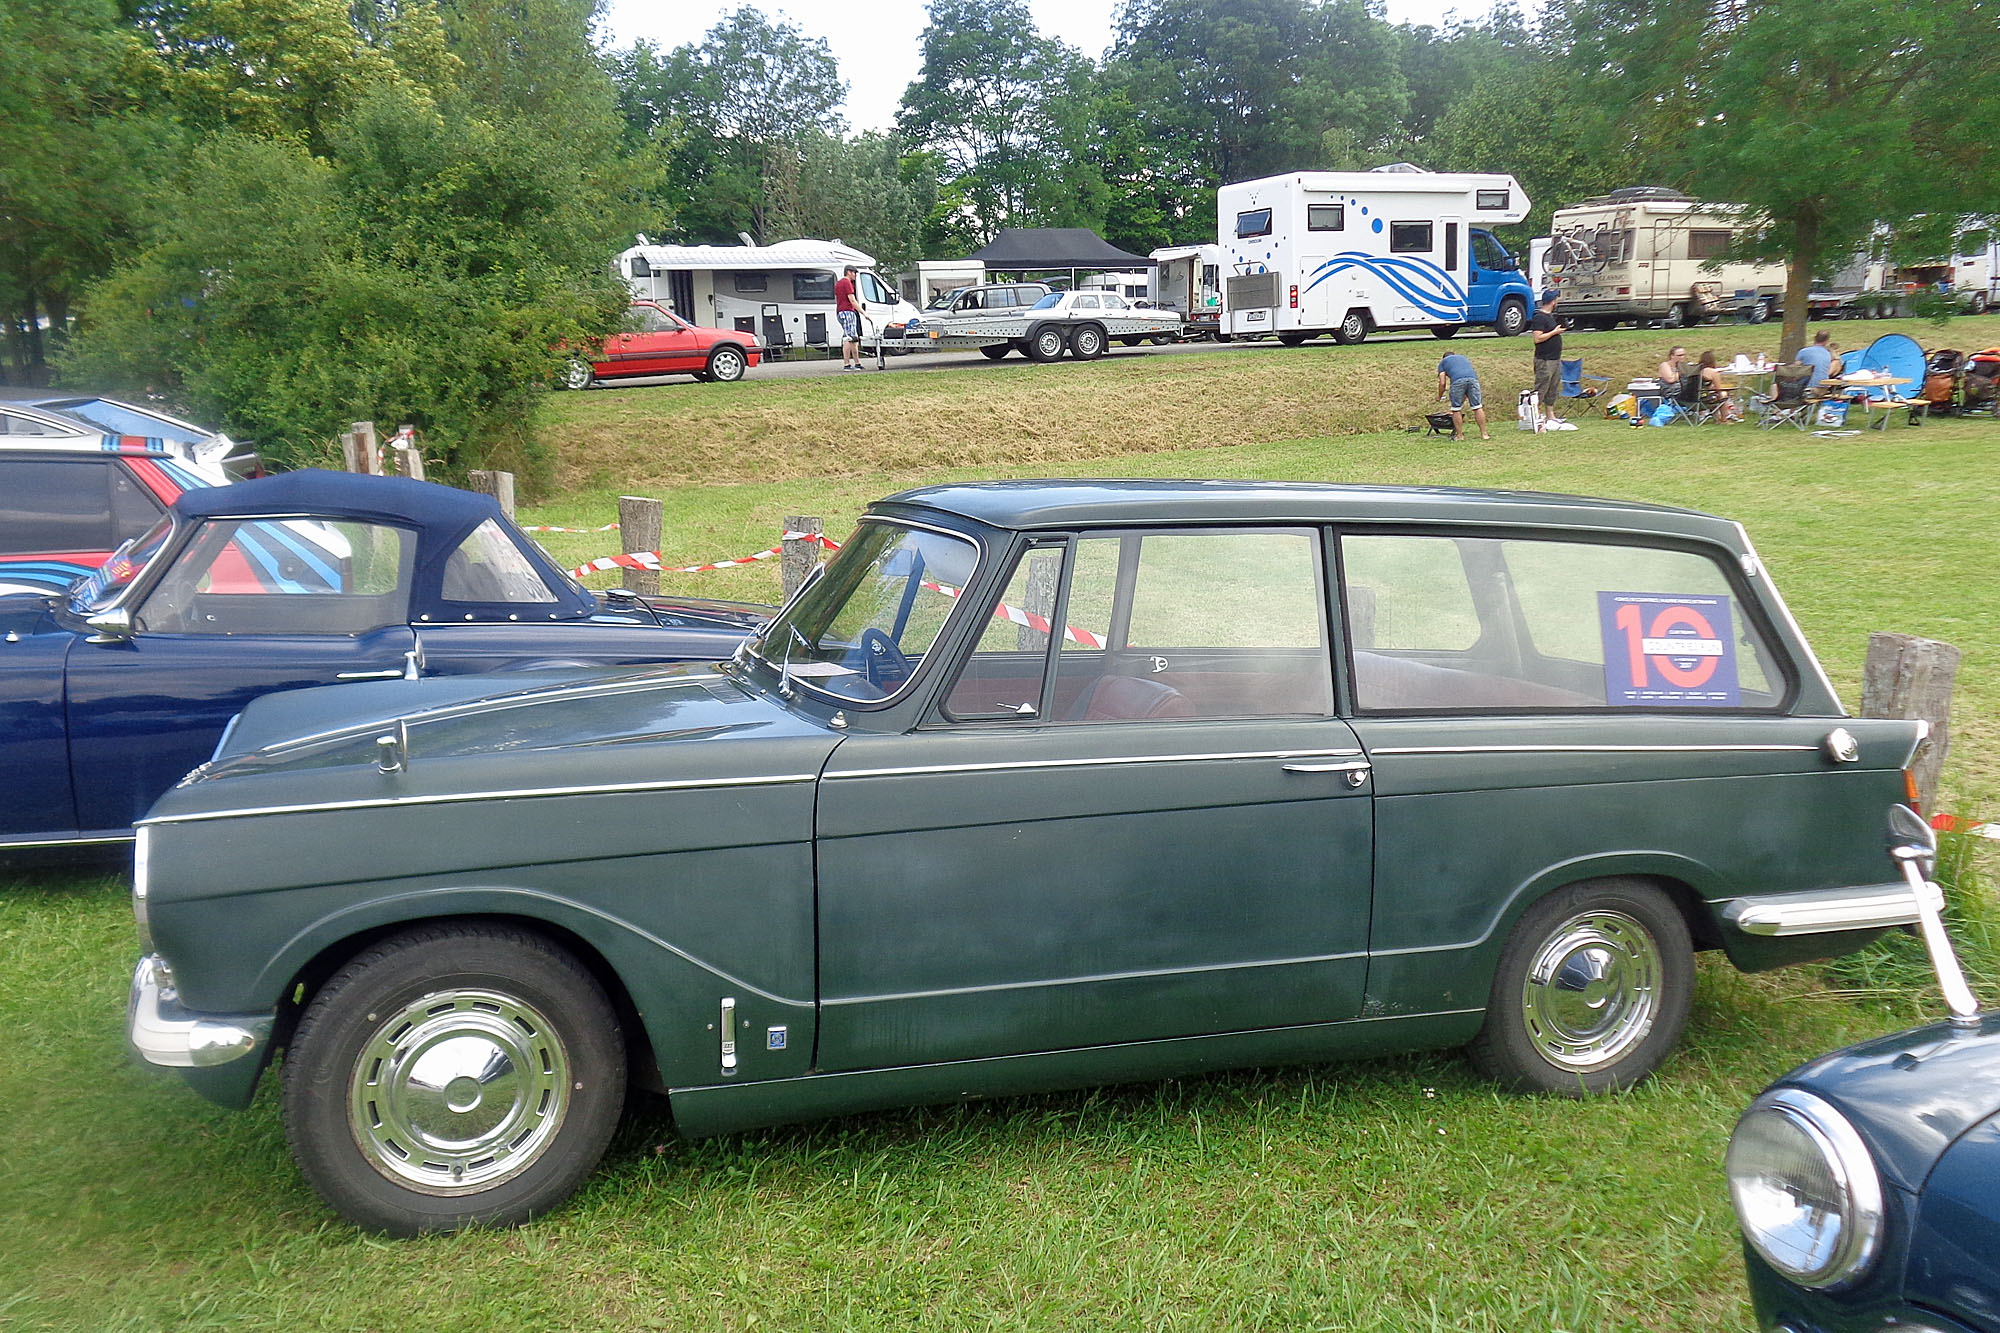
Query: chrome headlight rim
x: 1852, y: 1166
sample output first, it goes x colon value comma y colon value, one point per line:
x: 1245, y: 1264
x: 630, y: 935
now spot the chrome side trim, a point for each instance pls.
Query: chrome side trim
x: 1098, y: 762
x: 1093, y: 979
x: 82, y: 840
x: 1596, y: 749
x: 461, y: 798
x: 1874, y: 907
x: 163, y: 1033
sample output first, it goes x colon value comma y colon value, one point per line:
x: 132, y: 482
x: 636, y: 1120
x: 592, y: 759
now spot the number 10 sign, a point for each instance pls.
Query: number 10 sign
x: 1663, y: 650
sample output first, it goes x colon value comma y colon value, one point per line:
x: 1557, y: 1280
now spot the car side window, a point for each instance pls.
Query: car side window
x: 1003, y: 678
x: 1439, y: 622
x: 56, y: 506
x: 283, y: 576
x: 488, y: 567
x: 1194, y: 624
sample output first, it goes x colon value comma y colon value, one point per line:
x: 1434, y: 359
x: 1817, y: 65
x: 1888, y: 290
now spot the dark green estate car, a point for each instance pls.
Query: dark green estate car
x: 1039, y: 784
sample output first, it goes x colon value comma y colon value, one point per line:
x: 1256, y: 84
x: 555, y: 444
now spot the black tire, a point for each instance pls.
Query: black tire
x: 1677, y: 318
x: 1353, y: 329
x: 994, y: 351
x: 1087, y: 342
x: 1444, y: 330
x: 417, y: 1024
x: 1759, y: 312
x: 1513, y: 318
x: 1979, y: 303
x: 1591, y: 993
x: 727, y: 363
x: 1293, y: 339
x: 578, y: 374
x: 1047, y: 344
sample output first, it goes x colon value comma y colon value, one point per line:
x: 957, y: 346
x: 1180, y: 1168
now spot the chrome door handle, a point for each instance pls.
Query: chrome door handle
x: 1356, y: 770
x: 368, y: 675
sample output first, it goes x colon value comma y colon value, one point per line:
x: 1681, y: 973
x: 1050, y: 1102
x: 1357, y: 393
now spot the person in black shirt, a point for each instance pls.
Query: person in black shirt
x: 1548, y: 337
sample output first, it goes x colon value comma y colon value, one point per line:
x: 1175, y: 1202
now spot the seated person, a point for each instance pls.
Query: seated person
x: 1723, y: 394
x: 1671, y: 369
x: 1822, y: 357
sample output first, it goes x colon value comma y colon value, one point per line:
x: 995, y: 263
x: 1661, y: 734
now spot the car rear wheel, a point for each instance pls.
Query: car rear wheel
x: 453, y: 1076
x: 727, y: 364
x: 1592, y: 991
x: 578, y: 374
x: 1087, y: 342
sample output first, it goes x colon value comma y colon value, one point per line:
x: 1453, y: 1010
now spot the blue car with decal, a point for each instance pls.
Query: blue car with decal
x: 111, y: 691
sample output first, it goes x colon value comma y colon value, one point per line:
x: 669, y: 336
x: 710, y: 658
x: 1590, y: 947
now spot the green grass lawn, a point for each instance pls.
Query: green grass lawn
x: 1388, y: 1194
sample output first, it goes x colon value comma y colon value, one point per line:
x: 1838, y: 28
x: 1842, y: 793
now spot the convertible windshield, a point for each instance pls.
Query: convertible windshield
x: 859, y: 632
x: 97, y: 591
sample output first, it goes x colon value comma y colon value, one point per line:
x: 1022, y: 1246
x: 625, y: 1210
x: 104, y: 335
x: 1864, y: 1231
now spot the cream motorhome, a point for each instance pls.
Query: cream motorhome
x: 1344, y: 252
x: 1645, y: 254
x: 782, y: 294
x: 1189, y: 279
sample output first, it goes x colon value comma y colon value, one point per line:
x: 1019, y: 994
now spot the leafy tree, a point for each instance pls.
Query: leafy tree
x: 850, y: 189
x: 1789, y: 107
x: 426, y: 269
x: 1510, y: 124
x: 78, y: 142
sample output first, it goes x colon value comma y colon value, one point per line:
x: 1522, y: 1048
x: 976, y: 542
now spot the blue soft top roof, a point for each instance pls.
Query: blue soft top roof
x: 441, y: 517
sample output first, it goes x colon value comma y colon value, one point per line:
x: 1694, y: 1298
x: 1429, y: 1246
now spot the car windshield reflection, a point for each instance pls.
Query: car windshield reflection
x: 99, y: 589
x: 859, y: 632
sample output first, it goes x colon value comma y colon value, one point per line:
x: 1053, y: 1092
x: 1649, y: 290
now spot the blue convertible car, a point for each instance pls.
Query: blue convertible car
x: 112, y: 692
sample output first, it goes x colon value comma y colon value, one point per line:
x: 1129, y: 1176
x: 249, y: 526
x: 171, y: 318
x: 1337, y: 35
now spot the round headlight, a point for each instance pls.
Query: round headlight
x: 1806, y: 1190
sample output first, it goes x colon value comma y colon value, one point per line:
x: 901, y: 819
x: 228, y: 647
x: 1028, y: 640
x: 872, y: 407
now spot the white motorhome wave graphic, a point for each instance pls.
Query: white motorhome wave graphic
x: 1418, y: 281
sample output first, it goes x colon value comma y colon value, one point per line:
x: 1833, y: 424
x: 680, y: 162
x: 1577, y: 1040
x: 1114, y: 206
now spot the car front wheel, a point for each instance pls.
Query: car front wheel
x: 453, y: 1076
x: 1087, y: 342
x: 1592, y: 991
x: 578, y: 374
x: 727, y: 364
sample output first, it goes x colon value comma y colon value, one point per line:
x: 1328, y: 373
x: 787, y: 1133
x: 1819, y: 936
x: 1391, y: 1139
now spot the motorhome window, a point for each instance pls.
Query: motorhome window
x: 1256, y: 222
x: 1492, y: 201
x: 640, y: 268
x: 751, y: 282
x: 1451, y: 247
x: 1409, y: 238
x: 1708, y: 243
x: 1326, y: 217
x: 813, y: 287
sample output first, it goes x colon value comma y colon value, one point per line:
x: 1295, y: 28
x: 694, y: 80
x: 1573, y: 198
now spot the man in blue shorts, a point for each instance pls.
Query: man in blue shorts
x: 1457, y: 378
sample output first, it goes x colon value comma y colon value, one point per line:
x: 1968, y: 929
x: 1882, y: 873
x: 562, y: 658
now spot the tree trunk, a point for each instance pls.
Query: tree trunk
x: 1798, y: 287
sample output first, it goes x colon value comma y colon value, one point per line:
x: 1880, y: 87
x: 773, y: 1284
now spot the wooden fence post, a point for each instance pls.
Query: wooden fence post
x: 409, y: 456
x: 1910, y: 677
x: 640, y: 521
x: 369, y: 448
x: 499, y: 485
x: 1039, y: 598
x: 350, y: 451
x: 800, y: 554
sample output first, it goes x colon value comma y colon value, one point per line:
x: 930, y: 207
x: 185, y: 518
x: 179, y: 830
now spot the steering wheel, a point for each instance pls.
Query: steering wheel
x: 882, y: 660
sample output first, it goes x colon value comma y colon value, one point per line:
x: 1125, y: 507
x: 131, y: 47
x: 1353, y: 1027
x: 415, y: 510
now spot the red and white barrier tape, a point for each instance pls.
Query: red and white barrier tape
x: 543, y: 527
x: 1027, y: 619
x: 650, y: 560
x: 1960, y: 824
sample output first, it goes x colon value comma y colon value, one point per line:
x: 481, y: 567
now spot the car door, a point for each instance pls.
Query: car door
x: 1146, y: 825
x: 246, y: 607
x: 656, y: 343
x: 1540, y: 708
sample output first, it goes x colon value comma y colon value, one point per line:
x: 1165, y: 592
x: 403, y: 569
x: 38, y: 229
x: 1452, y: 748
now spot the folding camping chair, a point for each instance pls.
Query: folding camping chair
x: 1574, y: 386
x: 1788, y: 404
x: 1685, y: 405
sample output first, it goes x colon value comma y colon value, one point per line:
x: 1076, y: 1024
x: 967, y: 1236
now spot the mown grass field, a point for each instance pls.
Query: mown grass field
x: 1388, y: 1194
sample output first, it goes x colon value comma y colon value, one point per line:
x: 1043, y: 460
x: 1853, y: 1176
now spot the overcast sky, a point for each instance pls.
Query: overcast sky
x: 877, y: 41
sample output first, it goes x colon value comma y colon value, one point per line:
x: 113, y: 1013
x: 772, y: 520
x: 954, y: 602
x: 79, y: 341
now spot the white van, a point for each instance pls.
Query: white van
x: 781, y: 294
x: 1344, y: 252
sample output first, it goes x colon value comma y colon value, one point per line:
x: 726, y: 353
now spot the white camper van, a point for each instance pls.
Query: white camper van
x: 1643, y: 254
x: 1189, y: 279
x: 1344, y: 252
x: 782, y: 294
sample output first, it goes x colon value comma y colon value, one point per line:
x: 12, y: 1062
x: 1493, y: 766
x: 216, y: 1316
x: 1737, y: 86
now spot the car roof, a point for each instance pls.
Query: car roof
x: 442, y: 516
x: 1107, y: 502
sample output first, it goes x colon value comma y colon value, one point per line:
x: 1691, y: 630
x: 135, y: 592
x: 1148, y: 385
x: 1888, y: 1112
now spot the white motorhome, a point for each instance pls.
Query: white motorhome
x: 1188, y: 278
x: 930, y: 279
x: 1648, y: 253
x: 1344, y: 252
x: 1131, y: 286
x: 782, y: 294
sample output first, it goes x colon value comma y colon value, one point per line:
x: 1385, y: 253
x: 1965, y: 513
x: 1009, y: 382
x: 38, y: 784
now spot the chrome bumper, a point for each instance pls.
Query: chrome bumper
x: 163, y: 1033
x: 1875, y: 907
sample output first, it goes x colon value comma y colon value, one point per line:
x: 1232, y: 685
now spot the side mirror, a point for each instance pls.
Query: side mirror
x: 1910, y: 840
x: 113, y: 626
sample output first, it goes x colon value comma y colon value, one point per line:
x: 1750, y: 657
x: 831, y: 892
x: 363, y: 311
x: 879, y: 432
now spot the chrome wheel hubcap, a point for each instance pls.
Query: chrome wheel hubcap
x: 1593, y: 990
x: 458, y: 1091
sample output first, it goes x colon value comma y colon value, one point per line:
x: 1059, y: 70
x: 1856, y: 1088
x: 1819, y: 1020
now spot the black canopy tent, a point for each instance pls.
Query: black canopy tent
x: 1030, y: 250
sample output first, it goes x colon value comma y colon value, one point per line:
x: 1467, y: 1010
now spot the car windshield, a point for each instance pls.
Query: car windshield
x: 1049, y: 302
x: 98, y: 589
x: 861, y: 629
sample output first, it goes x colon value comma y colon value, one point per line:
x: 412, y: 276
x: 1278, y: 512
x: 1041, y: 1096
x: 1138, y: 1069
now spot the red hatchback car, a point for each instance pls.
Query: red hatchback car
x: 656, y: 341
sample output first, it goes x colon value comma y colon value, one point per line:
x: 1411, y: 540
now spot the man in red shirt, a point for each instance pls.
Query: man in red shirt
x: 848, y: 311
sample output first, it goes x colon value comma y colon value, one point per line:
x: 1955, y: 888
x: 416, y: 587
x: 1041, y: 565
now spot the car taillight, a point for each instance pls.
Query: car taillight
x: 1910, y: 789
